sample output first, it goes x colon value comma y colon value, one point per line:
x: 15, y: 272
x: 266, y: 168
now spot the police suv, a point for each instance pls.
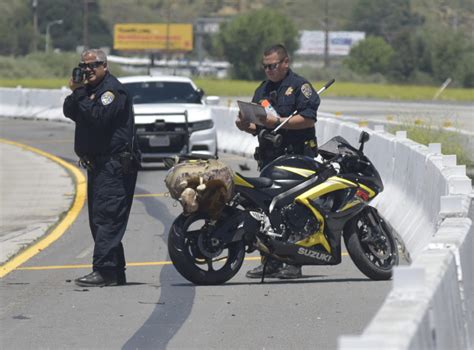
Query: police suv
x: 171, y: 117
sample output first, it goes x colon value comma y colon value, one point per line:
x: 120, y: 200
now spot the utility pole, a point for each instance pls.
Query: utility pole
x: 168, y: 18
x: 326, y: 34
x: 34, y: 44
x: 48, y: 36
x: 85, y: 25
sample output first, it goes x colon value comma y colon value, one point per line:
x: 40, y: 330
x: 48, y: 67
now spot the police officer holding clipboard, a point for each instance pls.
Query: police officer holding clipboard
x: 283, y: 93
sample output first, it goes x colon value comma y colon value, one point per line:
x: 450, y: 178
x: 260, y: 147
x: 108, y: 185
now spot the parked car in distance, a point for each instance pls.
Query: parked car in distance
x: 171, y: 117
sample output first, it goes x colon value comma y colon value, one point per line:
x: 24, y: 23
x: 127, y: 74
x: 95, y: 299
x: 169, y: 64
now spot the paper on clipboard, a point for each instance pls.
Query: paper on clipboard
x: 252, y: 112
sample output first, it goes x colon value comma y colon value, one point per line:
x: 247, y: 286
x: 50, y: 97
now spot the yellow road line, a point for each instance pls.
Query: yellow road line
x: 135, y: 264
x: 63, y: 225
x: 165, y: 194
x: 70, y: 141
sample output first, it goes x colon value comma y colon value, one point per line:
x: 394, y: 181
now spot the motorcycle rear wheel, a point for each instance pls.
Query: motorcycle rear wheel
x: 185, y: 245
x: 374, y: 254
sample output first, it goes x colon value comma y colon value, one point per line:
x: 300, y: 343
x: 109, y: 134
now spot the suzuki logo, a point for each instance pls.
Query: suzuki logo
x: 314, y: 254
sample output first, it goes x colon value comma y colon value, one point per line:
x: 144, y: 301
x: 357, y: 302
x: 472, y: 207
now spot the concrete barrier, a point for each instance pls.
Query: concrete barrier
x: 427, y: 199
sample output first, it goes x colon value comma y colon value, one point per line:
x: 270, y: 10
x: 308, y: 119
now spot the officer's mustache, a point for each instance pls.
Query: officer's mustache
x: 89, y: 73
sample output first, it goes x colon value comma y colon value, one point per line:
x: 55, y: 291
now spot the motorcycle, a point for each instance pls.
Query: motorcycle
x: 295, y: 212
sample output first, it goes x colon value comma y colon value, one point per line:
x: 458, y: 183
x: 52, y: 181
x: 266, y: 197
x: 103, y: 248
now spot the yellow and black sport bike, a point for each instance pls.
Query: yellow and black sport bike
x: 296, y: 212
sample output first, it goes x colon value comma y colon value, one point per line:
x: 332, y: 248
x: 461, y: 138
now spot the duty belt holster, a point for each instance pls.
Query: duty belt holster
x: 310, y: 148
x: 128, y: 161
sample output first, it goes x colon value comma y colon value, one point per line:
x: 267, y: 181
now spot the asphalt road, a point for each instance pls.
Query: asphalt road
x: 41, y: 307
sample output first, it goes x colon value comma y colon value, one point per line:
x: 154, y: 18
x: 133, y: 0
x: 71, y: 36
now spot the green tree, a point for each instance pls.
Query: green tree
x: 70, y: 34
x: 451, y: 57
x: 243, y: 40
x: 370, y: 56
x: 395, y: 21
x: 16, y: 27
x: 385, y: 18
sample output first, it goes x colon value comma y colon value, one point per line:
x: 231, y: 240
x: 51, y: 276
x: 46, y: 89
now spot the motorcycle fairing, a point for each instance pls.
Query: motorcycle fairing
x: 308, y: 199
x: 239, y: 180
x: 299, y: 255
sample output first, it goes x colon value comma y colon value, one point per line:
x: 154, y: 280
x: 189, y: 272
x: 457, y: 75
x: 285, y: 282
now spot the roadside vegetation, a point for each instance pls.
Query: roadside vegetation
x: 451, y: 142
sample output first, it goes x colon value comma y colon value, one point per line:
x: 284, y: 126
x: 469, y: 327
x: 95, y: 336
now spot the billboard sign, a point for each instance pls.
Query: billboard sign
x: 340, y: 43
x: 147, y: 36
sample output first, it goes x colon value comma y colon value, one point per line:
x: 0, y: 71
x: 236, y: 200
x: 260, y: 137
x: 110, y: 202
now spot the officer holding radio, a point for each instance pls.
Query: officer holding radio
x: 283, y: 93
x: 106, y: 145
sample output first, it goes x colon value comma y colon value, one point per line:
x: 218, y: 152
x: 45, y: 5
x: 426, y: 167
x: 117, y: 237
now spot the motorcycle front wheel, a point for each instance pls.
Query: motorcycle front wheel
x: 371, y: 245
x: 199, y: 257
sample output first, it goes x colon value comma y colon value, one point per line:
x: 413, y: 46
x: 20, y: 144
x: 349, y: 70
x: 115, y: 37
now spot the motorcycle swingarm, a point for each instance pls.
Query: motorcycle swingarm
x: 237, y: 226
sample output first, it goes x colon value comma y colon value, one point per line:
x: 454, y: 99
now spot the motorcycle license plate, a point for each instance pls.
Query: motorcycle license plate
x: 159, y: 141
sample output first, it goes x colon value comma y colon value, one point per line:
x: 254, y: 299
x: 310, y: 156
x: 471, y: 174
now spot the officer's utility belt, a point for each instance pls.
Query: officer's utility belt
x: 266, y: 153
x: 127, y: 159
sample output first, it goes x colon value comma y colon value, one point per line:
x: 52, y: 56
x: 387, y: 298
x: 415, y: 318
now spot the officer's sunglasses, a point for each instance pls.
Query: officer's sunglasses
x: 272, y: 66
x: 92, y: 65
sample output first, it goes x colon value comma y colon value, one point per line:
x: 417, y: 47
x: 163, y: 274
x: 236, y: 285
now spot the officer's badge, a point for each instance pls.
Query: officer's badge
x: 107, y: 98
x: 306, y: 90
x: 289, y: 91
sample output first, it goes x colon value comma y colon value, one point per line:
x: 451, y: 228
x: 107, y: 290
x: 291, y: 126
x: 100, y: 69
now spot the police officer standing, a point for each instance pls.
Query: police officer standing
x: 105, y: 143
x: 287, y: 93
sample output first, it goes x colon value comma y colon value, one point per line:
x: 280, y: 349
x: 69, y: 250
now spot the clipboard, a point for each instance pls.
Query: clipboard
x: 252, y: 112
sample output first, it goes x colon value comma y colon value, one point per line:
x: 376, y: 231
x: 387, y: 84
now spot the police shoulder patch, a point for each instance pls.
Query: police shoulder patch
x: 107, y: 98
x: 306, y: 90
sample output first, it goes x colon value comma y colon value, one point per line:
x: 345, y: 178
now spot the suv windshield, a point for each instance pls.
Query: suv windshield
x: 162, y: 92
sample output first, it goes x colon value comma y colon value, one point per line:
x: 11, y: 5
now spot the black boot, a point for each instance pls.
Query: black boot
x: 271, y: 270
x: 289, y: 272
x: 101, y: 279
x: 121, y: 278
x: 94, y: 279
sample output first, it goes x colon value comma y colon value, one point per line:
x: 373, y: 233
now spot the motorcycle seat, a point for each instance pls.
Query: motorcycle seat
x: 258, y: 182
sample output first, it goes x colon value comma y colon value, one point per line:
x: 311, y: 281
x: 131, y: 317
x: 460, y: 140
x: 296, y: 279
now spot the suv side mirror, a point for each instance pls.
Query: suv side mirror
x: 200, y: 92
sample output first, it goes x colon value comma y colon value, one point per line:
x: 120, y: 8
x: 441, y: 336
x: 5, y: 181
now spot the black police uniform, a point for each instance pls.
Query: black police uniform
x: 105, y: 141
x: 293, y: 93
